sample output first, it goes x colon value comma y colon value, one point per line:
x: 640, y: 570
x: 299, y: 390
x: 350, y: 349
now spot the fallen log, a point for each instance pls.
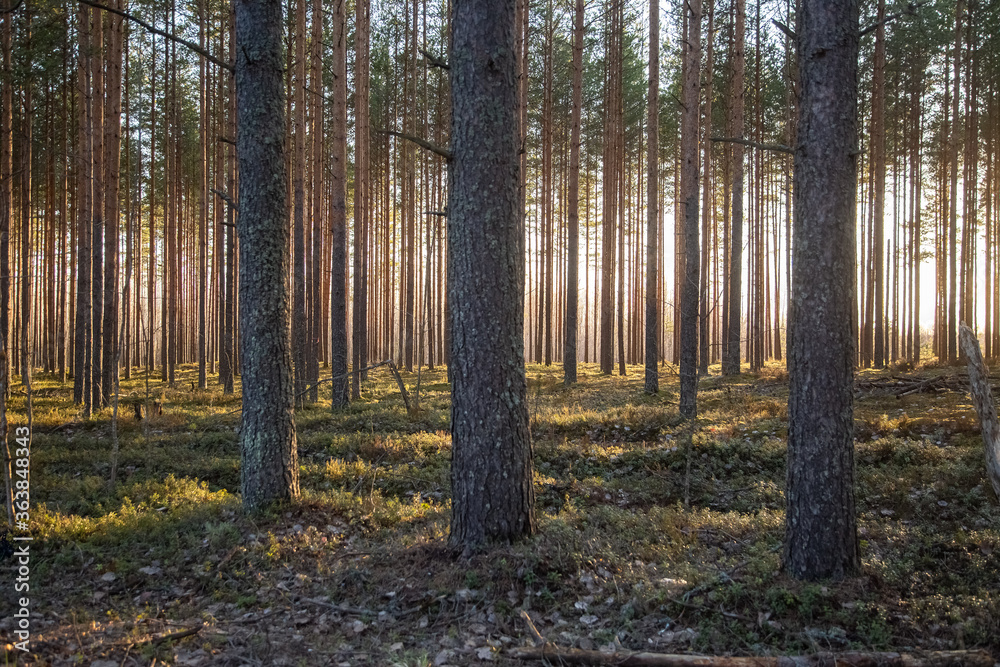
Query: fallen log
x: 571, y: 656
x: 982, y: 399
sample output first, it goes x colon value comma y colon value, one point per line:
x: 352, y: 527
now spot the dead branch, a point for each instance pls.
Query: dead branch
x: 904, y: 385
x: 569, y: 656
x: 402, y: 387
x: 433, y: 60
x: 162, y: 33
x: 982, y: 399
x: 910, y: 10
x: 785, y: 29
x: 229, y: 200
x: 532, y: 630
x: 173, y: 635
x: 780, y: 148
x: 423, y: 143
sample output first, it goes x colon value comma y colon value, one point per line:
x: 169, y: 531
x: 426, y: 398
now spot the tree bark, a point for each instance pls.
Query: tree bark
x: 609, y: 193
x: 6, y: 195
x: 982, y: 399
x: 97, y: 211
x: 878, y: 196
x: 652, y: 379
x: 338, y: 224
x: 492, y: 494
x: 953, y: 198
x: 267, y: 434
x: 84, y: 188
x: 27, y: 140
x: 689, y: 203
x: 112, y: 160
x: 705, y: 306
x: 317, y: 281
x: 821, y: 532
x: 573, y: 247
x: 300, y: 322
x: 203, y: 294
x: 362, y: 199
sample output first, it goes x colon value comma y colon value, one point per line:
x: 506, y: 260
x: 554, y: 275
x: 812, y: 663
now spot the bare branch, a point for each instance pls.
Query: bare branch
x: 911, y: 9
x: 156, y: 31
x: 433, y: 60
x: 781, y: 148
x: 785, y: 29
x: 229, y: 200
x: 423, y: 143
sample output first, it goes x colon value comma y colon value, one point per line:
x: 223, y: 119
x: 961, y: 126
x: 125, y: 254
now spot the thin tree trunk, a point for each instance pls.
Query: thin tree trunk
x: 953, y: 200
x: 689, y: 204
x: 573, y: 248
x: 97, y: 219
x: 112, y: 161
x: 338, y: 223
x: 609, y: 195
x: 362, y: 198
x: 731, y: 360
x: 84, y: 188
x: 300, y: 322
x: 6, y: 199
x: 26, y: 150
x: 878, y: 196
x: 707, y: 194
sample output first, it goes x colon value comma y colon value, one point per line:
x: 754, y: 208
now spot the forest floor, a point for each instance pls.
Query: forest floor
x: 642, y: 544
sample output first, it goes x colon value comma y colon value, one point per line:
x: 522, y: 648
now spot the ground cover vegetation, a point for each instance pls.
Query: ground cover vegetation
x: 641, y: 543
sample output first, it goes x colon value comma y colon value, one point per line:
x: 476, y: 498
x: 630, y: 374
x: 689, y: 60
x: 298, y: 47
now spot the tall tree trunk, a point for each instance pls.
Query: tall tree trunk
x: 300, y: 322
x: 573, y: 248
x: 609, y: 193
x: 26, y: 150
x: 492, y: 494
x: 112, y: 160
x: 821, y: 533
x: 916, y: 178
x: 203, y: 195
x: 317, y: 282
x: 84, y: 188
x: 6, y: 195
x: 338, y: 288
x: 362, y: 198
x: 229, y: 347
x: 151, y: 267
x: 689, y: 204
x: 270, y: 468
x: 878, y: 196
x: 953, y: 200
x: 652, y: 380
x: 705, y: 305
x: 97, y: 213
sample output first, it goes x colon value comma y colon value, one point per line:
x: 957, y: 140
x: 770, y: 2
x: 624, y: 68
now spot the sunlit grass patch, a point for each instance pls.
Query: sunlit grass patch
x: 618, y: 553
